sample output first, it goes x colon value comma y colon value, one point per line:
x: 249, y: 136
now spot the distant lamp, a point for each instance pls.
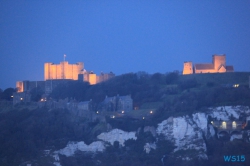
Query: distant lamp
x: 151, y: 112
x: 12, y: 96
x: 122, y: 112
x: 97, y: 112
x: 21, y: 98
x: 143, y: 117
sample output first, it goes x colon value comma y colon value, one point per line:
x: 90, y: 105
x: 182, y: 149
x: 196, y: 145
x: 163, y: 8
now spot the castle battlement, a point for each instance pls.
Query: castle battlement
x: 218, y: 65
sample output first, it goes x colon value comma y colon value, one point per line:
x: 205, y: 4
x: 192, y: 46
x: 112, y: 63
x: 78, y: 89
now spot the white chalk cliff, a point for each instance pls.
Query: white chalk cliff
x: 186, y: 132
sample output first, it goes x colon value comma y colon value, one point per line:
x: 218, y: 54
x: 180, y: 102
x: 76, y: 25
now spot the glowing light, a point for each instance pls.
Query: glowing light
x: 97, y: 112
x: 12, y: 96
x: 234, y: 125
x: 143, y: 117
x: 236, y: 85
x: 151, y: 112
x: 122, y: 112
x: 224, y: 125
x: 21, y: 98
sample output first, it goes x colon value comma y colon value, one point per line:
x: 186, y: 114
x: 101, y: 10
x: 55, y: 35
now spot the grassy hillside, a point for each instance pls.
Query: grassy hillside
x: 219, y: 78
x: 26, y: 131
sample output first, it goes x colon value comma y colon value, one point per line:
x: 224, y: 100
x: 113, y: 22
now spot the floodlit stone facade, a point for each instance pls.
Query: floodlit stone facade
x: 218, y: 65
x: 64, y: 70
x: 55, y: 74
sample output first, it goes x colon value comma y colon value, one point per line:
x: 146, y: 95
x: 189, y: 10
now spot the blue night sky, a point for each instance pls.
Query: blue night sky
x: 120, y: 35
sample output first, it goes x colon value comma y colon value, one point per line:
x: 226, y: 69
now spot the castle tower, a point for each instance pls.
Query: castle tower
x: 219, y: 62
x: 64, y: 70
x: 188, y: 68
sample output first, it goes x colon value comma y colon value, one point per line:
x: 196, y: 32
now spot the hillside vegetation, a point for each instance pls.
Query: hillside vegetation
x: 26, y: 131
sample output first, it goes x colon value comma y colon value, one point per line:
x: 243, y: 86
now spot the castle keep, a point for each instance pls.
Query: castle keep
x: 55, y: 74
x: 64, y: 70
x: 218, y: 65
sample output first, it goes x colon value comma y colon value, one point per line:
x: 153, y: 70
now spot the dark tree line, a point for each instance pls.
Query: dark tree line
x: 7, y: 94
x: 141, y: 86
x: 26, y: 133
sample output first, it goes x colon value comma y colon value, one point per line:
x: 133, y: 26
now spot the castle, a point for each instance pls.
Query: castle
x: 64, y: 70
x: 55, y: 74
x: 218, y: 65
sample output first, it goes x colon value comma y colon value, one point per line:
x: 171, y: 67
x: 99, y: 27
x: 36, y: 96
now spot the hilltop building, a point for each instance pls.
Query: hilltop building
x: 55, y: 74
x: 64, y: 70
x: 218, y: 65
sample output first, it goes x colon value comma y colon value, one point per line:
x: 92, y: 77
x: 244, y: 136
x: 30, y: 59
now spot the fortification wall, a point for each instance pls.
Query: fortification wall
x: 188, y: 68
x: 205, y: 71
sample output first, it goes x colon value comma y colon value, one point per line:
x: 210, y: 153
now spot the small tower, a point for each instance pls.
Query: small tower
x: 188, y: 68
x: 219, y: 62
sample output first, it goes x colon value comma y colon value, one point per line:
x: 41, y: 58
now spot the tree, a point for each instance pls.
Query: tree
x: 172, y: 78
x: 8, y: 94
x: 157, y: 78
x: 36, y: 94
x: 1, y: 94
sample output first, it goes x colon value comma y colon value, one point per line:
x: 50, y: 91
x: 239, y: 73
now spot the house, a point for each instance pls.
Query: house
x: 117, y: 103
x: 84, y: 106
x: 227, y: 125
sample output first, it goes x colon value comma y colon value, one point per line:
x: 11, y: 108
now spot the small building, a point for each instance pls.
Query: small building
x: 84, y: 106
x: 118, y: 103
x: 228, y: 125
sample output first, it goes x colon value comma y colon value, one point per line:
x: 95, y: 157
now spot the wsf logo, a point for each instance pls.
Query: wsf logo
x: 239, y: 158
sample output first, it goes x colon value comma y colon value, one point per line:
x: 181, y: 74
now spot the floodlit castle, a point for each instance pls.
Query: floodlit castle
x: 218, y: 65
x: 55, y: 74
x: 64, y: 70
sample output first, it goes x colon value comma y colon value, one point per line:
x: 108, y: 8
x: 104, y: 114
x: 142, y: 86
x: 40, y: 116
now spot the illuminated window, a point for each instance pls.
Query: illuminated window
x: 234, y: 125
x: 236, y: 85
x: 224, y: 125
